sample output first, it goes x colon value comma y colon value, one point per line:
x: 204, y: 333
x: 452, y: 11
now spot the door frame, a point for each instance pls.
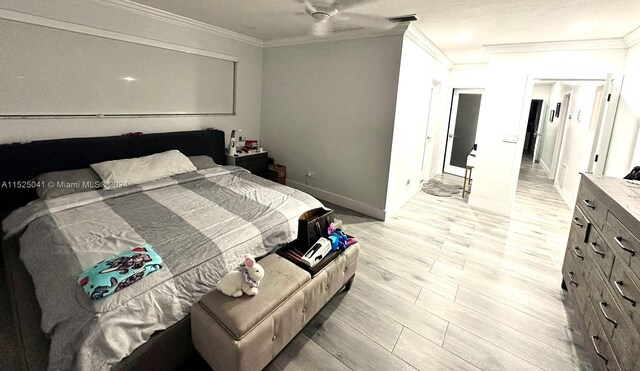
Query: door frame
x: 452, y: 117
x: 604, y: 125
x: 427, y: 156
x: 558, y: 148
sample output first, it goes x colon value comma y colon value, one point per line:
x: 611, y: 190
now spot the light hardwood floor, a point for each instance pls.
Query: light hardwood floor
x: 444, y: 286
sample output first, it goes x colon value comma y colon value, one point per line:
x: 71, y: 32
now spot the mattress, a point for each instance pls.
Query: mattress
x: 201, y: 223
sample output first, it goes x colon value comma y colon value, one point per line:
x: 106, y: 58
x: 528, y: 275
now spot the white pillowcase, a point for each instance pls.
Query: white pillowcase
x: 121, y: 173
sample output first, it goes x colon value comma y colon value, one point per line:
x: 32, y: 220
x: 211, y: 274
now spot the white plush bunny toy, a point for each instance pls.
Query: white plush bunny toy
x: 245, y: 280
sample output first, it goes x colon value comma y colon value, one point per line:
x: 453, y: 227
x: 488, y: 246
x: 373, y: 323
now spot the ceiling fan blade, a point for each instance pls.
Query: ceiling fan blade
x: 352, y: 4
x: 365, y: 21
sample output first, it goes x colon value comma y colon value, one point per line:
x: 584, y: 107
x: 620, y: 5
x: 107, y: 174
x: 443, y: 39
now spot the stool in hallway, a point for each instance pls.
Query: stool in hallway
x: 466, y: 186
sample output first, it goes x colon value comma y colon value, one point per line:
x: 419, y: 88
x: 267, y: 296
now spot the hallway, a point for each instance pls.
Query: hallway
x: 444, y: 286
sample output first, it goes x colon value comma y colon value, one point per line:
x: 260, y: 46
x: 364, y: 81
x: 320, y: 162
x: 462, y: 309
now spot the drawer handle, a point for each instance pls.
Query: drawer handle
x: 619, y: 285
x: 593, y: 246
x: 577, y: 222
x: 576, y: 250
x: 604, y: 304
x: 593, y: 341
x: 629, y: 250
x: 589, y: 204
x: 572, y: 280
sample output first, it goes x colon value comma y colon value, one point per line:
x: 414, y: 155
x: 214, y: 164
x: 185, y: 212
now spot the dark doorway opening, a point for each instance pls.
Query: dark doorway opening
x: 533, y: 132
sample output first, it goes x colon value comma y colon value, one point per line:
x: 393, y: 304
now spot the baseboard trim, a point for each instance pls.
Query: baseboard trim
x: 491, y: 206
x: 391, y: 210
x: 545, y: 168
x: 339, y: 200
x: 564, y: 196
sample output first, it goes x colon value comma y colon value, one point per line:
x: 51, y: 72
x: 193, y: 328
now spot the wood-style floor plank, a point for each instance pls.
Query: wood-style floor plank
x: 302, y: 353
x: 350, y: 347
x: 481, y: 353
x: 425, y: 355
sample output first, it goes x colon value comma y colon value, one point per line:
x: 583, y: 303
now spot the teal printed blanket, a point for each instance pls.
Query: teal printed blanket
x: 119, y: 271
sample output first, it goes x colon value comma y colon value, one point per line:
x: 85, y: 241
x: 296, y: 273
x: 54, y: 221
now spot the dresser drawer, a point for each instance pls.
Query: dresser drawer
x: 593, y: 208
x: 625, y: 341
x: 573, y: 270
x: 606, y: 307
x: 599, y: 252
x: 624, y: 287
x: 580, y: 224
x: 598, y: 342
x: 623, y: 241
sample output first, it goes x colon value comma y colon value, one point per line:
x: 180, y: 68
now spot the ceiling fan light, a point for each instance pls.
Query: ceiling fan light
x: 321, y: 16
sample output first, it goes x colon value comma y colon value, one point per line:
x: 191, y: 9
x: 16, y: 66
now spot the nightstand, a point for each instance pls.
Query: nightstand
x: 255, y: 162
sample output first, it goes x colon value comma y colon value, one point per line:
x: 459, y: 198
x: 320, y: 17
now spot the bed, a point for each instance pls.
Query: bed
x: 200, y: 222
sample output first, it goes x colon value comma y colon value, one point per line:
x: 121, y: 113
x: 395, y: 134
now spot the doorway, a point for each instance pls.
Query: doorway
x: 532, y: 136
x: 461, y: 134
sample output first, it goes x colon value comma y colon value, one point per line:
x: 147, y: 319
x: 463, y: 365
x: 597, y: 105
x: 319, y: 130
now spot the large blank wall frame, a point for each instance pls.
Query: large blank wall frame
x: 48, y: 71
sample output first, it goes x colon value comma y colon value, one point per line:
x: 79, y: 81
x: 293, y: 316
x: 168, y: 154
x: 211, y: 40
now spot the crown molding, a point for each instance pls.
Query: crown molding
x: 148, y: 11
x: 417, y: 36
x: 633, y: 38
x: 107, y: 34
x: 469, y: 66
x: 598, y: 44
x: 341, y: 36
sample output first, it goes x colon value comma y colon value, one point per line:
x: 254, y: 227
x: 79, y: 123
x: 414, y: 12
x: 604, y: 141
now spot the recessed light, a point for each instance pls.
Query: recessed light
x: 464, y: 37
x: 128, y: 78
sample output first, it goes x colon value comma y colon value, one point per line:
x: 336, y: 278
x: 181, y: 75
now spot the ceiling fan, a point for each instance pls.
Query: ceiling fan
x: 338, y: 15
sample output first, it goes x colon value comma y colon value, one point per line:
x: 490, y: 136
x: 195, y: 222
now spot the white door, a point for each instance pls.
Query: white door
x: 540, y: 132
x: 604, y: 124
x: 463, y: 123
x: 429, y: 145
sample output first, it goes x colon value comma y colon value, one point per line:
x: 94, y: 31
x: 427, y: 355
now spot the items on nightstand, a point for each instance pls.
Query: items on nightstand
x: 246, y: 280
x: 231, y: 150
x: 250, y: 145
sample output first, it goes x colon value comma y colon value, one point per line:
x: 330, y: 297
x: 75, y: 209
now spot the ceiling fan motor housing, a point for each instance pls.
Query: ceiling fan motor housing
x: 321, y: 10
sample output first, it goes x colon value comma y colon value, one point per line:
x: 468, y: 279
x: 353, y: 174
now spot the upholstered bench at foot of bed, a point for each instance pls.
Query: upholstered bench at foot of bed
x: 246, y: 333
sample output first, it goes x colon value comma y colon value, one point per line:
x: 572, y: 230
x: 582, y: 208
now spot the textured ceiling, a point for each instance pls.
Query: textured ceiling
x: 458, y: 27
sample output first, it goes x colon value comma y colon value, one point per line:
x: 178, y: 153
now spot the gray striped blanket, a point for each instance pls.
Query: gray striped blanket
x: 201, y: 224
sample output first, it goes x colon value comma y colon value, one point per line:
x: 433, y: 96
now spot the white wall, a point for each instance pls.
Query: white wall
x: 542, y: 91
x: 93, y: 14
x: 329, y: 108
x: 504, y: 109
x: 418, y: 70
x: 624, y: 152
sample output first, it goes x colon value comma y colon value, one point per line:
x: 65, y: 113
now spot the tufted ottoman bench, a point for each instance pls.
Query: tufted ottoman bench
x: 246, y: 333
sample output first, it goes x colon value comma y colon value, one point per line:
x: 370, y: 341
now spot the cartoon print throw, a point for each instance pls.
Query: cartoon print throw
x: 119, y: 271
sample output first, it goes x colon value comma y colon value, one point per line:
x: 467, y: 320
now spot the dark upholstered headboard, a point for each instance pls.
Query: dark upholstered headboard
x: 24, y: 161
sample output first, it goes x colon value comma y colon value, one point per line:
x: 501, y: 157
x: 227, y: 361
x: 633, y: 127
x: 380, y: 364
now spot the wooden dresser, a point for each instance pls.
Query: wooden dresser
x: 601, y: 269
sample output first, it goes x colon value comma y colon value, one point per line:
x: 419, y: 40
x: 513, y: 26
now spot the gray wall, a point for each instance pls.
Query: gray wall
x: 329, y: 108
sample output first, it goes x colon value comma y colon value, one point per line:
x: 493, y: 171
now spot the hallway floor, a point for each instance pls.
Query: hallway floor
x: 444, y: 286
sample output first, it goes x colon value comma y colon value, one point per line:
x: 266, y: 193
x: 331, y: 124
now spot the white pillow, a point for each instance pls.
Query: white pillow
x: 132, y: 171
